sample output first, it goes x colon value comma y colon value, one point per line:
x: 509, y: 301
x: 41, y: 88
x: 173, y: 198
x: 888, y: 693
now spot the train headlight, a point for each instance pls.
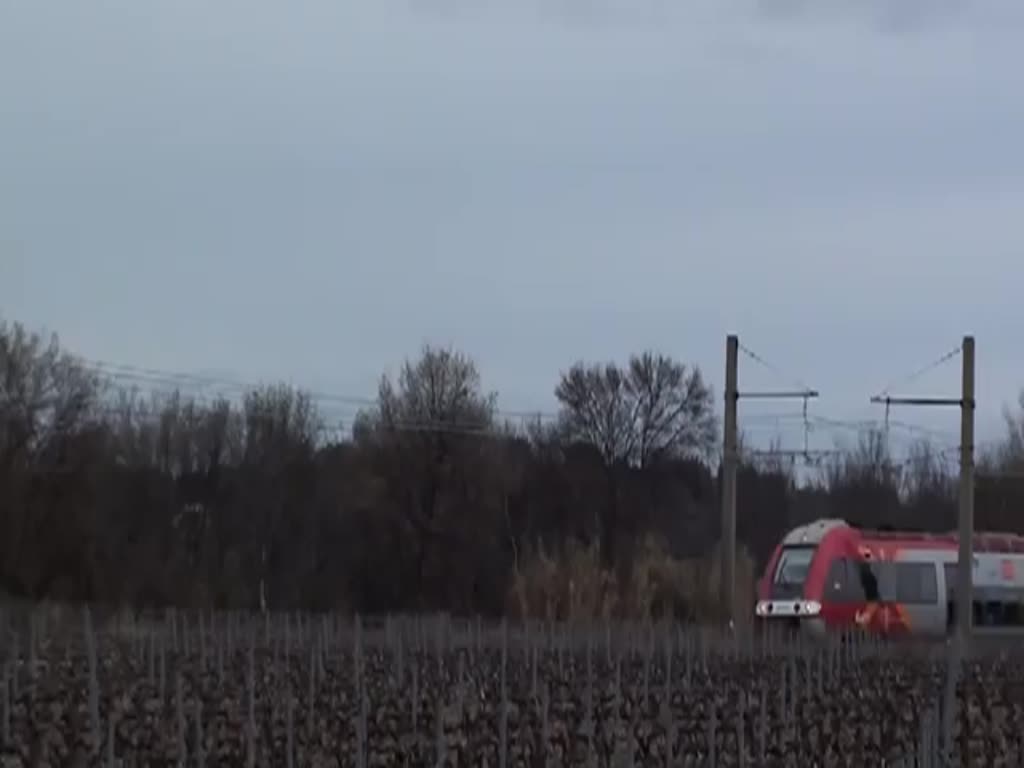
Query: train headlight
x: 812, y: 607
x: 762, y: 608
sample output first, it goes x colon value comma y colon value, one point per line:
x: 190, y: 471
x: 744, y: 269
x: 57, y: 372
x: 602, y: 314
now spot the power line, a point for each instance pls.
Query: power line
x: 154, y: 376
x: 864, y: 425
x: 341, y: 423
x: 493, y: 428
x: 942, y: 360
x: 773, y: 368
x: 203, y: 387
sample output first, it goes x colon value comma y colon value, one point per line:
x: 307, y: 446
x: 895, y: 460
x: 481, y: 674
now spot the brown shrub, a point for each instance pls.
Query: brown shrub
x: 576, y: 588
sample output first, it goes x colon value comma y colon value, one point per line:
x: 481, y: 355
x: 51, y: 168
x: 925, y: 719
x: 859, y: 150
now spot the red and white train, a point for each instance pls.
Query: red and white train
x: 829, y: 575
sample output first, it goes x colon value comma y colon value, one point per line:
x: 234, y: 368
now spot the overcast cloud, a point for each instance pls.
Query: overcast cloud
x: 311, y: 190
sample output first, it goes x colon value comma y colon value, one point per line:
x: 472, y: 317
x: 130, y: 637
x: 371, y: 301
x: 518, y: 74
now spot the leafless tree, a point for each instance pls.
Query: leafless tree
x: 48, y: 439
x: 926, y: 473
x: 280, y: 426
x: 1010, y: 455
x: 430, y: 429
x: 653, y: 408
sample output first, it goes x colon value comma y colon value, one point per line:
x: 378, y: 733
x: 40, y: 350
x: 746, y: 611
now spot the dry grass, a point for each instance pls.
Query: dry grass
x: 576, y: 588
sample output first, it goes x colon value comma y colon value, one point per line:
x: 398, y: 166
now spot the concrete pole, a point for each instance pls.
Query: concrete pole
x: 729, y: 461
x: 964, y: 603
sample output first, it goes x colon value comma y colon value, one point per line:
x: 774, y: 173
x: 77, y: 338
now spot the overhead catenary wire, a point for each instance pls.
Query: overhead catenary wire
x: 810, y: 457
x: 868, y: 425
x: 206, y: 389
x: 918, y: 373
x: 200, y: 381
x: 885, y: 398
x: 203, y: 387
x: 344, y: 421
x: 903, y: 447
x: 813, y: 423
x: 760, y: 360
x: 803, y: 392
x: 339, y: 411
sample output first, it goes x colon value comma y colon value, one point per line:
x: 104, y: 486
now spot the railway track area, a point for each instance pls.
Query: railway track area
x: 226, y: 689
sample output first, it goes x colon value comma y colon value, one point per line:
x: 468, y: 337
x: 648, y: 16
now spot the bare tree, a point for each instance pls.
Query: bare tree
x: 773, y: 461
x: 867, y: 463
x: 281, y: 424
x: 862, y: 483
x: 280, y: 428
x: 430, y: 429
x: 45, y: 395
x: 48, y: 420
x: 1010, y: 454
x: 925, y: 474
x: 653, y: 408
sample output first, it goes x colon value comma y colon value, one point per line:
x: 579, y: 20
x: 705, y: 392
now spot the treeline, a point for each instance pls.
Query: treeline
x: 434, y: 503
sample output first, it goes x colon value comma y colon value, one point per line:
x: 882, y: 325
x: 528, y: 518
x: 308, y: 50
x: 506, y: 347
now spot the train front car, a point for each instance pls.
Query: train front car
x: 828, y: 575
x: 790, y: 594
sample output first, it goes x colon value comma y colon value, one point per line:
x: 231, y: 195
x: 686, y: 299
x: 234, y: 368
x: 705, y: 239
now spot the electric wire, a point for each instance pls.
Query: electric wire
x: 760, y: 360
x: 340, y: 412
x: 917, y: 374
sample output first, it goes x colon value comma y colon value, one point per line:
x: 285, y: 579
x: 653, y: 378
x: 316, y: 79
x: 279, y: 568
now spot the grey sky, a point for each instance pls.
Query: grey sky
x: 311, y: 190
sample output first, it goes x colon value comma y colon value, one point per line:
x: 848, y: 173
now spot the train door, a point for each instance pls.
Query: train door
x: 918, y: 593
x: 882, y: 610
x: 948, y: 576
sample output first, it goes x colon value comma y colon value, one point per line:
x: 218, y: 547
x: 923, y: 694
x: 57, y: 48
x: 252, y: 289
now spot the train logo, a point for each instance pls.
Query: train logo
x: 885, y: 616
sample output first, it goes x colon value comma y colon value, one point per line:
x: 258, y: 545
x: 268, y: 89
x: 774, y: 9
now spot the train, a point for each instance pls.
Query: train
x: 829, y: 575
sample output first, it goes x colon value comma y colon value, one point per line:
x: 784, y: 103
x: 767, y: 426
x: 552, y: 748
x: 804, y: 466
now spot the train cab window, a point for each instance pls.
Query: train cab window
x: 793, y: 565
x: 791, y: 572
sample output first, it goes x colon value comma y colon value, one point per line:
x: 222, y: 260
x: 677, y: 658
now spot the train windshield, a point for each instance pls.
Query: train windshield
x: 791, y: 572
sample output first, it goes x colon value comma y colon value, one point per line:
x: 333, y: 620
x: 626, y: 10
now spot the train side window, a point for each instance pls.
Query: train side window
x: 929, y: 583
x: 1015, y: 612
x: 916, y: 583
